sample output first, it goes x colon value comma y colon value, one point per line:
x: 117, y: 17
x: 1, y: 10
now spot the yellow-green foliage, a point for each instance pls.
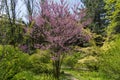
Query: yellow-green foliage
x: 27, y: 75
x: 113, y: 15
x: 44, y: 77
x: 86, y: 58
x: 110, y: 60
x: 16, y: 65
x: 12, y: 62
x: 71, y: 59
x: 40, y: 62
x: 24, y: 75
x: 87, y: 63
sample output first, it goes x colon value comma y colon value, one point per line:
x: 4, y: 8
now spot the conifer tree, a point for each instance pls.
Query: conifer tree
x: 96, y: 11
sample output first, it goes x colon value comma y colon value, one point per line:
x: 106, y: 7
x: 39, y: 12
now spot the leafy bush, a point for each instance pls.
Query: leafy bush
x: 14, y: 64
x: 13, y: 61
x: 40, y: 62
x: 24, y: 75
x: 86, y: 58
x: 110, y: 62
x: 87, y: 63
x: 71, y: 59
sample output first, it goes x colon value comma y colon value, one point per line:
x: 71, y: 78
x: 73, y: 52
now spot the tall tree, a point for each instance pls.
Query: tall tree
x: 30, y: 6
x: 95, y: 10
x: 10, y: 10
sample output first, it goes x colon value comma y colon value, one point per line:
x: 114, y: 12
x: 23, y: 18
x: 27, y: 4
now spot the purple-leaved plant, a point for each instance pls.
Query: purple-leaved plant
x: 57, y: 28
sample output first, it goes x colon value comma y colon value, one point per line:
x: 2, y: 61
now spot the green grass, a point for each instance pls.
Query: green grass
x: 86, y: 75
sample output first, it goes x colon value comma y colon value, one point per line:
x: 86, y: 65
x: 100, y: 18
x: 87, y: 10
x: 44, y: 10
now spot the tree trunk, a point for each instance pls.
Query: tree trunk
x: 56, y: 69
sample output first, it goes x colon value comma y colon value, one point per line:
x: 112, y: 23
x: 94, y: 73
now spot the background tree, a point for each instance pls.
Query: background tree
x: 96, y: 11
x: 30, y: 10
x: 30, y: 6
x: 1, y: 6
x: 12, y: 27
x: 10, y: 9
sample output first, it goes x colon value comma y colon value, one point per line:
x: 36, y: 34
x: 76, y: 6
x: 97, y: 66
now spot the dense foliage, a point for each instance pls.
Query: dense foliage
x: 110, y: 60
x: 60, y: 41
x: 96, y: 11
x: 113, y: 12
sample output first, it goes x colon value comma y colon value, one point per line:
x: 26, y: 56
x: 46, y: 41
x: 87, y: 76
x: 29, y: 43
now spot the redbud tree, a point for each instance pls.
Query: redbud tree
x: 57, y: 27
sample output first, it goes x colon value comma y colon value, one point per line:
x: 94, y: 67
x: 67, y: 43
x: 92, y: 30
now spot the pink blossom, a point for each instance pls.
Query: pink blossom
x: 58, y: 26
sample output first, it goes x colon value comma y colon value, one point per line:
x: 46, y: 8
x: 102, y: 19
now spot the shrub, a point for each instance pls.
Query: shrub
x: 110, y: 62
x: 13, y: 61
x: 40, y: 62
x: 71, y: 59
x: 87, y: 63
x: 89, y: 58
x: 24, y: 75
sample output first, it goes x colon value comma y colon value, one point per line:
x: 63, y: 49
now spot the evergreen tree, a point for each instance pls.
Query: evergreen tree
x: 96, y: 11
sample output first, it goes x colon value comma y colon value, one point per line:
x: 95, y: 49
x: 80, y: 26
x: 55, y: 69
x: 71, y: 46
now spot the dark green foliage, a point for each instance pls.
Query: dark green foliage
x: 99, y: 40
x: 96, y: 11
x: 10, y: 34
